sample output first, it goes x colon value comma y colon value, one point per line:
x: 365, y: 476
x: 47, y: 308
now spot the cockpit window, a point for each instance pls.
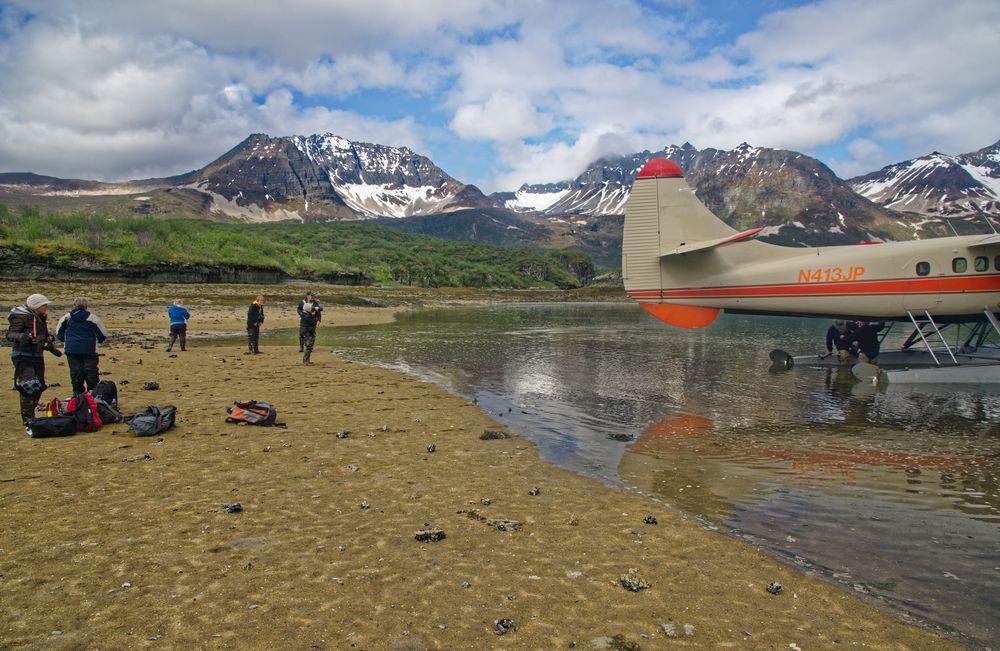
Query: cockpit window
x: 959, y: 265
x: 982, y: 263
x: 924, y: 268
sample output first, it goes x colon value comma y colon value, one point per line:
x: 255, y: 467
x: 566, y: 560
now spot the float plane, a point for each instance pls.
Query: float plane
x: 683, y: 265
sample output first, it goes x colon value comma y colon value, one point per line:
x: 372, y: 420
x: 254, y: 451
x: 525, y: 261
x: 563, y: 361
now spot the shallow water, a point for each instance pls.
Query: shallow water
x: 893, y: 492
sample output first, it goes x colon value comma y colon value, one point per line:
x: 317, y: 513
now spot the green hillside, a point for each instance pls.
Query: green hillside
x: 330, y: 251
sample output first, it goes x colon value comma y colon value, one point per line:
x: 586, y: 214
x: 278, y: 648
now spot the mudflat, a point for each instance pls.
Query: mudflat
x: 110, y: 541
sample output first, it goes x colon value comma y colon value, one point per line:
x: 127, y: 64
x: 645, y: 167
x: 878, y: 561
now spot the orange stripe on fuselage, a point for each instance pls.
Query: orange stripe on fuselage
x: 948, y: 285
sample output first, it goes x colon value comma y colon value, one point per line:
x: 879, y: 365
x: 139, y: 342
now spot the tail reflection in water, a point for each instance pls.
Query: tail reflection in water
x: 898, y: 514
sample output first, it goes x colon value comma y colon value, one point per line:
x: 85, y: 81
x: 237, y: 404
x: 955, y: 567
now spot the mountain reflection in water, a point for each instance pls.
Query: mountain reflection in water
x: 889, y: 490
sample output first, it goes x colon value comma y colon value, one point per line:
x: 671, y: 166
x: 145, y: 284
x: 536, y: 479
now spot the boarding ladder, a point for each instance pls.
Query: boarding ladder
x: 992, y: 318
x: 920, y: 323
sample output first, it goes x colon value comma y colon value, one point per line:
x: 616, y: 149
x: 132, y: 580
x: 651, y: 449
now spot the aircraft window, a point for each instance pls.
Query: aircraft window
x: 982, y: 263
x: 924, y: 268
x: 959, y: 265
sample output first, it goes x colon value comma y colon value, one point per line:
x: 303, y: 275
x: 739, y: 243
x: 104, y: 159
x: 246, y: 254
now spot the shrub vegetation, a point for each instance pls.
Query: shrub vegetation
x: 315, y: 251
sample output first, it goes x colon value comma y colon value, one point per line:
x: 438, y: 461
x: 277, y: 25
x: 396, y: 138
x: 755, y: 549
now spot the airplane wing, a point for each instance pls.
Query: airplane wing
x: 690, y: 247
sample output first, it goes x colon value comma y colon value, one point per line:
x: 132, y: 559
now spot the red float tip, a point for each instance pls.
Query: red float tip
x: 660, y: 168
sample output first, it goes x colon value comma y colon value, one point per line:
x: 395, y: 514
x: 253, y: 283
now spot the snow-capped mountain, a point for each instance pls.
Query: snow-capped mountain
x: 326, y: 176
x: 795, y: 197
x: 301, y: 178
x: 938, y: 185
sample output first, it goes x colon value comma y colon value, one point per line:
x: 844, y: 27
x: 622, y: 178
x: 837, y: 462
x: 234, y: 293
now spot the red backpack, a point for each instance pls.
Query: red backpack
x: 83, y: 409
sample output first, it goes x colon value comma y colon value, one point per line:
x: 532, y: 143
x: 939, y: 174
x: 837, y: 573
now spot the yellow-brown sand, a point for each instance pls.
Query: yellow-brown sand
x: 116, y: 552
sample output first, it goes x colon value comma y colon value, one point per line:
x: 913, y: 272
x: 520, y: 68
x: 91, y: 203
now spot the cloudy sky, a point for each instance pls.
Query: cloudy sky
x: 496, y: 92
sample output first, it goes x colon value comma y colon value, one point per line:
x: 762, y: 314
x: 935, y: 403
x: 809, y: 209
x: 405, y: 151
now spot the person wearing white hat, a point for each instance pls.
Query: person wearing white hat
x: 29, y: 333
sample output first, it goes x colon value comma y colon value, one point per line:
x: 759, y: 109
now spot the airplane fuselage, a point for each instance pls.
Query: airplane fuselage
x: 684, y: 264
x: 943, y: 276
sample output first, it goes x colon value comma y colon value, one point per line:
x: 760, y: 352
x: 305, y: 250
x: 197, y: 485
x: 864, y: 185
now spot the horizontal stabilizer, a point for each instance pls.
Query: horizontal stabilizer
x: 690, y: 247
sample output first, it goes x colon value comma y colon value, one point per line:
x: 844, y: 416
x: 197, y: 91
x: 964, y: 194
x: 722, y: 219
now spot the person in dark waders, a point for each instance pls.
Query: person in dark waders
x: 867, y: 340
x: 29, y: 333
x: 840, y: 336
x: 178, y: 324
x: 80, y: 331
x: 255, y: 318
x: 309, y: 299
x: 309, y: 319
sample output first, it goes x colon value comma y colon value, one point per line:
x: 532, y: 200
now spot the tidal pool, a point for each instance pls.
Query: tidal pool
x: 893, y: 492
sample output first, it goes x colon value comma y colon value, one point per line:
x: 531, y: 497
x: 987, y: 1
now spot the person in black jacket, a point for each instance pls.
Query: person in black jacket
x: 309, y: 318
x: 29, y: 332
x: 868, y: 342
x: 255, y: 317
x: 309, y: 299
x: 81, y: 331
x: 840, y: 336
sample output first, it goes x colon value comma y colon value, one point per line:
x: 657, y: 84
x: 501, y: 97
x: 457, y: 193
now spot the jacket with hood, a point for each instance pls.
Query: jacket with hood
x: 255, y: 314
x: 81, y: 331
x: 24, y: 324
x: 310, y: 314
x: 178, y: 314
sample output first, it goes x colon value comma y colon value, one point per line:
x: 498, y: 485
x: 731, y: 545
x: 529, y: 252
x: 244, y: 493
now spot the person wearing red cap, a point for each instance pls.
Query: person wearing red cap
x: 29, y: 333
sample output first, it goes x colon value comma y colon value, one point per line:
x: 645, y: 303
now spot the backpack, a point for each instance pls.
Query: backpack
x: 83, y: 409
x: 39, y: 428
x: 56, y: 407
x: 106, y: 391
x: 153, y: 421
x: 107, y: 412
x: 251, y: 412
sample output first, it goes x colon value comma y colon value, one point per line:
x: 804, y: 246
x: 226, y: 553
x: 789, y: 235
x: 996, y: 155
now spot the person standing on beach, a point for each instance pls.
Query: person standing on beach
x: 309, y: 317
x: 81, y: 331
x: 178, y: 324
x: 307, y: 300
x: 255, y: 317
x: 29, y: 332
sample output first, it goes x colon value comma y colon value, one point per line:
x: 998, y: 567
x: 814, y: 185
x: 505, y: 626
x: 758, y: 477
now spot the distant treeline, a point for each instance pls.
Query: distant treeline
x: 323, y: 251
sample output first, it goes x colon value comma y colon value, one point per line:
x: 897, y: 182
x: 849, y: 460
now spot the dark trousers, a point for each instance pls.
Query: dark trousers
x: 307, y: 337
x: 178, y: 330
x: 253, y: 338
x: 25, y: 369
x: 82, y: 371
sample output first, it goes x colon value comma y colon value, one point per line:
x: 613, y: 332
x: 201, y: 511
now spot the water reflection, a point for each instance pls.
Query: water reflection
x: 892, y: 490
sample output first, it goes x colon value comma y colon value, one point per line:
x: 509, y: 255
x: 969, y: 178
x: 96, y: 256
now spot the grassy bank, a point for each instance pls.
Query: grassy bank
x: 313, y: 251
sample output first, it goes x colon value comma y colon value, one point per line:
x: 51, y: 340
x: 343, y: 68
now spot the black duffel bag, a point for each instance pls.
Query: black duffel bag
x: 40, y: 428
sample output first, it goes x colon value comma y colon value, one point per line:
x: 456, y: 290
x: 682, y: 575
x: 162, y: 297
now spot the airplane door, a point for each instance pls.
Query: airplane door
x: 917, y: 295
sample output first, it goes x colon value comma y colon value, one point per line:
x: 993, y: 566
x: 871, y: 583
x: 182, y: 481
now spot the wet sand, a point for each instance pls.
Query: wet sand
x: 112, y: 549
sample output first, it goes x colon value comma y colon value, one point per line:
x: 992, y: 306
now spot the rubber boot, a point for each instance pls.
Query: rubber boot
x: 28, y: 406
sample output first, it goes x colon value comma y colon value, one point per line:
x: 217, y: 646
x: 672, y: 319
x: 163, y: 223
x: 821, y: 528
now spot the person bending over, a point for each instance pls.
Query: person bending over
x: 178, y: 324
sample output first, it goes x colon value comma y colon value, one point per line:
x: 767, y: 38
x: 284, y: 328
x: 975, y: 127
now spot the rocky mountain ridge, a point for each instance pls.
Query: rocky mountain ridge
x: 938, y: 185
x: 294, y: 178
x: 797, y: 199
